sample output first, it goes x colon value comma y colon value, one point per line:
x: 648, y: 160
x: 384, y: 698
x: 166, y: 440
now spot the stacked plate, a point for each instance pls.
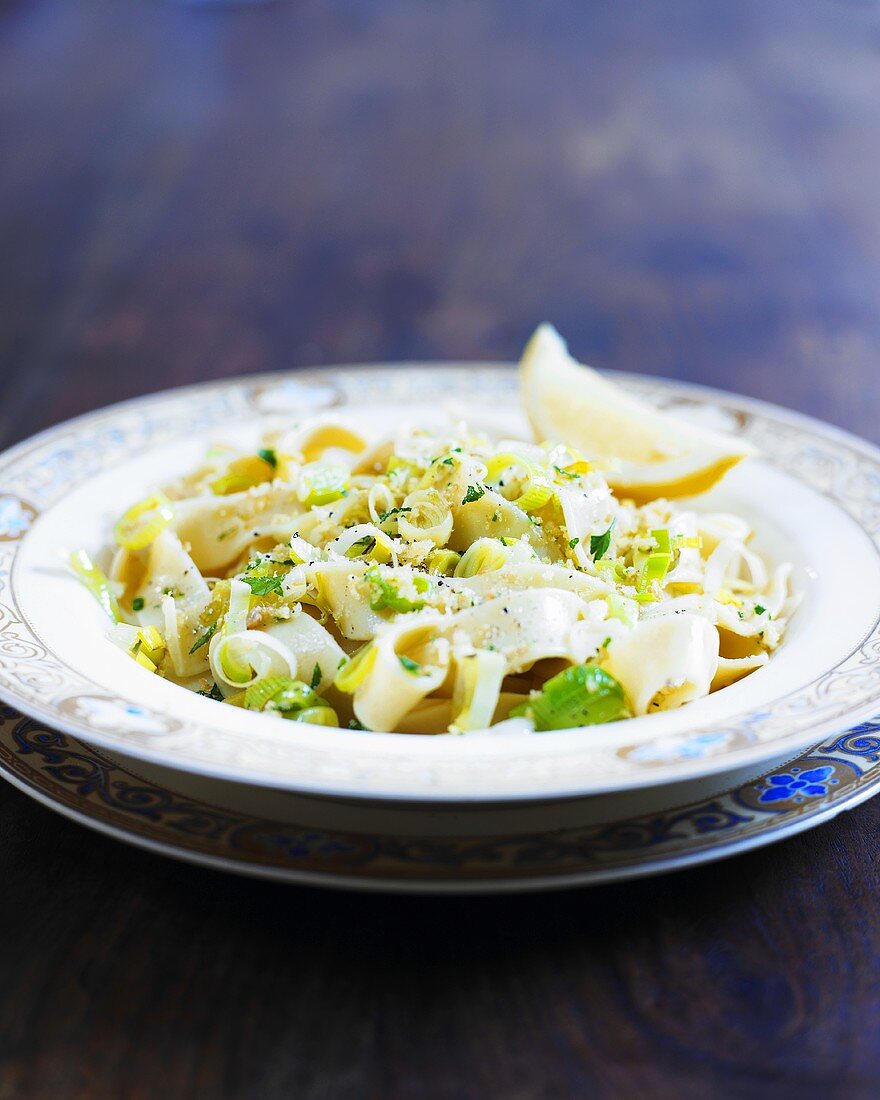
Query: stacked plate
x: 138, y: 757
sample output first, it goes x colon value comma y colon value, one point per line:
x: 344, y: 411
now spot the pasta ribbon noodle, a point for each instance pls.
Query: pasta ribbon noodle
x: 311, y: 645
x: 410, y: 662
x: 343, y: 589
x: 665, y: 661
x: 218, y: 529
x: 314, y: 441
x: 492, y: 515
x: 525, y: 626
x: 730, y: 670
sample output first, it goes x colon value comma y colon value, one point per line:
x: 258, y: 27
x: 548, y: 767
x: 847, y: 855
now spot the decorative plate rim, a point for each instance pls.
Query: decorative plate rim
x: 76, y: 780
x: 681, y: 762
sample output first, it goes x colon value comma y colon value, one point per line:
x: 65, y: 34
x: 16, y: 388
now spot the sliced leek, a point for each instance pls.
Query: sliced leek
x: 282, y: 693
x: 356, y: 669
x: 97, y: 583
x: 386, y: 595
x: 443, y: 562
x: 532, y: 487
x: 144, y: 522
x: 239, y: 605
x: 482, y: 556
x: 425, y: 516
x: 316, y: 716
x: 322, y: 482
x: 239, y: 660
x: 583, y: 695
x: 477, y: 688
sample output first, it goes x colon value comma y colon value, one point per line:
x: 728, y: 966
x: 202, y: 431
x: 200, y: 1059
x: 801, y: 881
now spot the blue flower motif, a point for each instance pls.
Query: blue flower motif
x: 798, y: 785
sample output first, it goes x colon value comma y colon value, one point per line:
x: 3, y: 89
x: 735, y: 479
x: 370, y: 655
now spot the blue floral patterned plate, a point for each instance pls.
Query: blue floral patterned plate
x: 85, y: 784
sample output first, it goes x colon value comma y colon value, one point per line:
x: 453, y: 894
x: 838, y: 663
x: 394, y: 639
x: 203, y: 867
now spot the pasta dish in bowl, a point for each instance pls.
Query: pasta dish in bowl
x: 451, y: 580
x: 575, y: 586
x: 430, y: 605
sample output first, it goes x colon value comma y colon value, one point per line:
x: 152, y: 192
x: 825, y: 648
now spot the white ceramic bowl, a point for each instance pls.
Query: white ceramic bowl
x: 814, y: 497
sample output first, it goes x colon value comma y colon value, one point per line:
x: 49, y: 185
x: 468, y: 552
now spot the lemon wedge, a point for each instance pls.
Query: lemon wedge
x: 645, y: 453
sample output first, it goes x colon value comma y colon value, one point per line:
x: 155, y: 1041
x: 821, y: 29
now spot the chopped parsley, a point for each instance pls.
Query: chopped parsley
x: 205, y: 638
x: 474, y: 492
x: 759, y: 610
x: 394, y: 512
x: 317, y: 676
x: 448, y: 461
x: 137, y: 603
x: 410, y: 665
x: 268, y: 455
x: 599, y: 544
x: 572, y: 543
x: 214, y: 693
x: 265, y: 586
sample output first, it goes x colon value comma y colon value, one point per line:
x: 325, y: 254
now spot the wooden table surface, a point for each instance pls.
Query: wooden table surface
x: 189, y: 192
